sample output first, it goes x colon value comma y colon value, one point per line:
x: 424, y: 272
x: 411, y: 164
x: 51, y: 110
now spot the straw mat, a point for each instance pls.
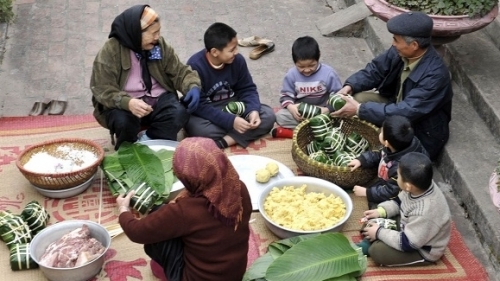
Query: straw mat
x: 126, y: 260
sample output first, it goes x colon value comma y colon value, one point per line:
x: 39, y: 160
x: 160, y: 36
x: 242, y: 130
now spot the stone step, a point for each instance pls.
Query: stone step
x: 474, y: 62
x: 466, y: 164
x: 493, y: 32
x: 342, y: 19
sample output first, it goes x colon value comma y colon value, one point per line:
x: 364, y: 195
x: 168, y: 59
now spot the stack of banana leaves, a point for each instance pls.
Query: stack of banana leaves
x: 328, y: 256
x: 18, y: 230
x: 135, y: 166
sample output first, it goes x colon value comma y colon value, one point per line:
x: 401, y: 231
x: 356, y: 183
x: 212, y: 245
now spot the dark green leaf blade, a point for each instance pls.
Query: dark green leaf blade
x: 323, y: 257
x: 142, y: 165
x: 257, y: 271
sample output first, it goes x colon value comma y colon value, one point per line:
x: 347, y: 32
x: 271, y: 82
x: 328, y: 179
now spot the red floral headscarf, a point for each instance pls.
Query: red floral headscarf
x: 205, y: 171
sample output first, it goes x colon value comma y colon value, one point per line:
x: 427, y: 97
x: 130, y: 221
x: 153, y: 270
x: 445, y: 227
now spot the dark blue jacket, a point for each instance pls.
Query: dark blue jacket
x: 231, y: 81
x: 386, y: 186
x: 427, y: 95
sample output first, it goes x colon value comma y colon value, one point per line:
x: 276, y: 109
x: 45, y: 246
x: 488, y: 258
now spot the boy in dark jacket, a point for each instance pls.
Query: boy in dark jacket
x: 398, y: 139
x: 225, y: 78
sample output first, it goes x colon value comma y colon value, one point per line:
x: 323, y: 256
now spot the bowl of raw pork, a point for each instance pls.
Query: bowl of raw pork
x: 70, y: 250
x: 61, y: 163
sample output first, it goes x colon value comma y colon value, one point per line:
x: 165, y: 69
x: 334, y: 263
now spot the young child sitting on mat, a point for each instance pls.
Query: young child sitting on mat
x: 425, y: 221
x: 309, y: 81
x: 398, y: 139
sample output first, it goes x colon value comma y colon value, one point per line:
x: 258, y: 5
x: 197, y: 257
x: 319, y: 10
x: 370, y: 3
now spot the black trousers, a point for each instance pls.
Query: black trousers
x: 169, y: 254
x: 167, y: 118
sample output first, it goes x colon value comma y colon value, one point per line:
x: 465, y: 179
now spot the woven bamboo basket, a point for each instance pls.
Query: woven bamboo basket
x: 341, y: 176
x: 58, y: 181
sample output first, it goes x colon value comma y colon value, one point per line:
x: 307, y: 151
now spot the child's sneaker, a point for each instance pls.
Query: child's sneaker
x: 281, y: 132
x: 364, y: 245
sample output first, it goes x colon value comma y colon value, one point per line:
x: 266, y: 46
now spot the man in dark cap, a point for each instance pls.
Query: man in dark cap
x: 410, y: 79
x: 135, y: 79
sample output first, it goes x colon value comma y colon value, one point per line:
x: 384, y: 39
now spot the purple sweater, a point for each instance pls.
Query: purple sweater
x: 231, y: 82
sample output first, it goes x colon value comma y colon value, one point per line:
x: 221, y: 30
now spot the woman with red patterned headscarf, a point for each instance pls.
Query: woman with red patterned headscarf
x: 203, y: 234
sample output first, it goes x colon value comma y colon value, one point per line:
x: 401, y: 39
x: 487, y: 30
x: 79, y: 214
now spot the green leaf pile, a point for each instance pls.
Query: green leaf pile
x: 134, y: 164
x: 321, y: 257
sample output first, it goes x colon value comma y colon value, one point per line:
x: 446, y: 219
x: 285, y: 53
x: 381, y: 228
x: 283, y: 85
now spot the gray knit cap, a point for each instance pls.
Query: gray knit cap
x: 414, y: 24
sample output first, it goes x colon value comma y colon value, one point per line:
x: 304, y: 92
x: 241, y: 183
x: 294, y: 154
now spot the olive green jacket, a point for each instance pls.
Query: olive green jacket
x: 111, y: 69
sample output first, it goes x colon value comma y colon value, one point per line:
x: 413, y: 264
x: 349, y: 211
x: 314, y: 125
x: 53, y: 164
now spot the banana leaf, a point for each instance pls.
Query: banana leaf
x: 279, y: 247
x: 166, y: 157
x: 328, y: 257
x: 134, y: 164
x: 142, y: 165
x: 257, y: 270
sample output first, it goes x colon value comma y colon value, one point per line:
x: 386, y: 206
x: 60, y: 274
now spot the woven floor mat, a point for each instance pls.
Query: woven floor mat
x: 126, y: 260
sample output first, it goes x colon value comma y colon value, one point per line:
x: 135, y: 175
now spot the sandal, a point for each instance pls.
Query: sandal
x: 39, y: 108
x: 253, y: 41
x: 57, y: 107
x: 261, y: 50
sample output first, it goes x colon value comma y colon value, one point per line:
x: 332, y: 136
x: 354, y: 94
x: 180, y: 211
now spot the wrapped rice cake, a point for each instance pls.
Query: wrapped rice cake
x: 235, y: 107
x: 308, y: 111
x: 20, y: 258
x: 13, y: 229
x: 144, y: 198
x: 35, y: 216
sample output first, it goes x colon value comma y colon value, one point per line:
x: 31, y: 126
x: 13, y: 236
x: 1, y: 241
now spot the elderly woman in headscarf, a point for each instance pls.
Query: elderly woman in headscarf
x: 135, y: 79
x: 203, y: 234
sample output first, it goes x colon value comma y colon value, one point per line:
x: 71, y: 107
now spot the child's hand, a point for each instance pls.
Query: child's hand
x: 359, y: 191
x: 354, y: 164
x: 371, y: 214
x: 241, y: 125
x: 254, y: 119
x: 370, y: 232
x: 294, y: 110
x: 324, y: 110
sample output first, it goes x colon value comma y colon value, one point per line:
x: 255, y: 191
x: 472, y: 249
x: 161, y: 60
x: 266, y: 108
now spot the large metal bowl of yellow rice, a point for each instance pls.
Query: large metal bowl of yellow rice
x: 290, y: 209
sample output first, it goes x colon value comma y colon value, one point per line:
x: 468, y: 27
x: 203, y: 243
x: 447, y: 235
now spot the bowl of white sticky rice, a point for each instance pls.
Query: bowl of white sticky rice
x: 60, y: 164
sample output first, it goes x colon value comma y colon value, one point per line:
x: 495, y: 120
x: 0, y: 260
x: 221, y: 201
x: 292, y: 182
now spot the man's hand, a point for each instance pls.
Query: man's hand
x: 241, y: 125
x: 192, y: 99
x: 348, y: 110
x: 346, y: 90
x: 139, y: 108
x: 294, y: 110
x: 254, y: 119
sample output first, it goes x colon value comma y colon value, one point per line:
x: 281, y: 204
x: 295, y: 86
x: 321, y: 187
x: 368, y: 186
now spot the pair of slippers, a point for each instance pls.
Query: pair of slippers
x: 53, y: 107
x: 262, y: 46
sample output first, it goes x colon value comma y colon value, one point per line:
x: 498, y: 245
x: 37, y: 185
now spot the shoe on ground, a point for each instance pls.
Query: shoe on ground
x: 280, y: 132
x: 252, y: 41
x: 261, y: 50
